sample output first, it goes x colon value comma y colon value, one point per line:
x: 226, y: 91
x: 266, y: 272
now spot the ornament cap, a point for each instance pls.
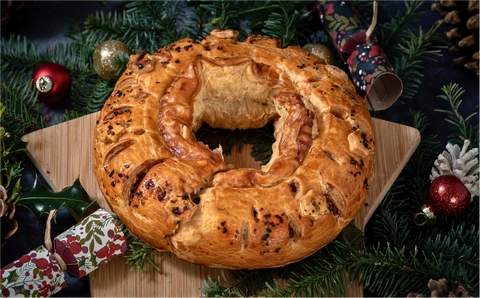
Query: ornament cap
x: 428, y: 211
x: 44, y: 84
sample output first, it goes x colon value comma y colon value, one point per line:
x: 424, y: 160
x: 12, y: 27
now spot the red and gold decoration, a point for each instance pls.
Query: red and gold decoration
x: 104, y: 55
x: 371, y: 71
x: 460, y: 162
x: 447, y: 196
x: 321, y: 51
x: 53, y: 83
x: 454, y: 182
x: 91, y: 243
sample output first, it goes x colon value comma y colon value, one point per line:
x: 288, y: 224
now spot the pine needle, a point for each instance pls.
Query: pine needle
x: 463, y: 130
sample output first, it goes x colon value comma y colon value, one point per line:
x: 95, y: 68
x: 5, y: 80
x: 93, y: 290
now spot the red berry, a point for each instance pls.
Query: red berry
x: 41, y: 263
x: 25, y: 259
x: 102, y: 252
x: 75, y: 247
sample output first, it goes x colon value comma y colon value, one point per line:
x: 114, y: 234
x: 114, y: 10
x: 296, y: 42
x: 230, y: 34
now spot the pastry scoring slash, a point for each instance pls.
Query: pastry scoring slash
x: 178, y: 195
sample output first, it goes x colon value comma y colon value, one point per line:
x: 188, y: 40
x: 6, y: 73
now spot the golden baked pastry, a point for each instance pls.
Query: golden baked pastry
x: 178, y: 195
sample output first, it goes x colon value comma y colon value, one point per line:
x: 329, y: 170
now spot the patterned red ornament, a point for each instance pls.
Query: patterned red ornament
x: 52, y: 81
x: 447, y: 196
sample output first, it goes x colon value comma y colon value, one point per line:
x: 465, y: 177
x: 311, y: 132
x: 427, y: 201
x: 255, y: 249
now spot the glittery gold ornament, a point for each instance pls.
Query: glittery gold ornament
x: 103, y: 57
x: 321, y: 51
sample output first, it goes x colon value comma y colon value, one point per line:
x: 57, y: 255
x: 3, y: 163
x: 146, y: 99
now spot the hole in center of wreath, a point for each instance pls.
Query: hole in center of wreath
x: 249, y: 148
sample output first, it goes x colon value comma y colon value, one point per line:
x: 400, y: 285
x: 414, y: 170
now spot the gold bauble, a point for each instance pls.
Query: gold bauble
x: 103, y: 57
x: 321, y: 51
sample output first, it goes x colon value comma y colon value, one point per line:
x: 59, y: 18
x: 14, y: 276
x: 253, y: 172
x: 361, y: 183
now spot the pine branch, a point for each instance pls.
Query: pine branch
x: 319, y: 274
x: 68, y: 115
x: 390, y: 272
x: 261, y: 138
x: 90, y: 94
x: 213, y: 288
x: 138, y: 252
x: 322, y: 273
x: 282, y: 25
x: 410, y: 52
x: 223, y: 12
x: 22, y: 110
x: 19, y: 55
x: 394, y: 29
x: 463, y: 129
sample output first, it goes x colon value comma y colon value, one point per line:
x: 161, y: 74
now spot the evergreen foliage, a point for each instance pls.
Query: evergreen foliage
x: 398, y: 258
x: 463, y: 130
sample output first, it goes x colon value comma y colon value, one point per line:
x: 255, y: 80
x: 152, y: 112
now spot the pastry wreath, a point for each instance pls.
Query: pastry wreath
x: 179, y: 196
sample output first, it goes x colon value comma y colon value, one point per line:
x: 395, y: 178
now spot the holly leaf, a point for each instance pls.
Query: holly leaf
x: 39, y: 199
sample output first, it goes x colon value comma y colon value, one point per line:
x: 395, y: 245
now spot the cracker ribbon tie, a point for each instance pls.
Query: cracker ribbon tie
x: 48, y: 241
x: 374, y: 22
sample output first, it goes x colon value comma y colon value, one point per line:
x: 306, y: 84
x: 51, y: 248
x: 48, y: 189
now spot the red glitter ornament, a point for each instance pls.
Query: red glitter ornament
x: 52, y: 81
x: 447, y: 196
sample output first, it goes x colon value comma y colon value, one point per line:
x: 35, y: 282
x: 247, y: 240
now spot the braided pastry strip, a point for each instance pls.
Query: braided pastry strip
x: 179, y: 196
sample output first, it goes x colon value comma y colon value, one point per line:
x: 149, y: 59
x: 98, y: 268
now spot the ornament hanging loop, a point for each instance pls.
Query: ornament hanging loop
x: 415, y: 219
x: 374, y: 22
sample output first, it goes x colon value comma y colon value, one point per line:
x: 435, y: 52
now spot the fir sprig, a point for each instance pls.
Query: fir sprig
x: 394, y: 29
x: 462, y: 128
x: 282, y: 25
x: 261, y: 139
x: 138, y: 252
x: 90, y: 94
x: 318, y: 275
x: 411, y: 51
x: 223, y: 12
x: 21, y: 110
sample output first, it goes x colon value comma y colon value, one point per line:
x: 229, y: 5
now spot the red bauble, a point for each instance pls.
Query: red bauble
x: 447, y: 196
x: 52, y: 81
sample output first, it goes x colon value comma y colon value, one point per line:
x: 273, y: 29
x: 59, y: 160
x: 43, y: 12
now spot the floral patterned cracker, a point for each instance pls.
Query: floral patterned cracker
x: 91, y: 243
x: 372, y: 73
x: 83, y: 248
x: 35, y: 274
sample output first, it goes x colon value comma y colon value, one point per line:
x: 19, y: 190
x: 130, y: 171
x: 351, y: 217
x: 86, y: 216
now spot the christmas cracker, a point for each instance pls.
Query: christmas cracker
x: 79, y: 250
x: 371, y: 71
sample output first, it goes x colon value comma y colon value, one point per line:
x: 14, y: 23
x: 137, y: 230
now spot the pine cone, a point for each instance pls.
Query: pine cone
x: 460, y: 163
x: 12, y: 13
x: 463, y: 21
x: 9, y: 225
x: 440, y: 289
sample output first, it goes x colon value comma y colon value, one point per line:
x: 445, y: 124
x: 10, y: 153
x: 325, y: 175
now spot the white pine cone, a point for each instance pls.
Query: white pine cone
x: 460, y: 163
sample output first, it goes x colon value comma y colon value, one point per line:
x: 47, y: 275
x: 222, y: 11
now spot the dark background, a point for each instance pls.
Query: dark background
x: 45, y: 21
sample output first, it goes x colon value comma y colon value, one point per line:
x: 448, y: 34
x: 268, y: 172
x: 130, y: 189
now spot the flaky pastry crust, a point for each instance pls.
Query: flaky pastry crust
x: 178, y: 195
